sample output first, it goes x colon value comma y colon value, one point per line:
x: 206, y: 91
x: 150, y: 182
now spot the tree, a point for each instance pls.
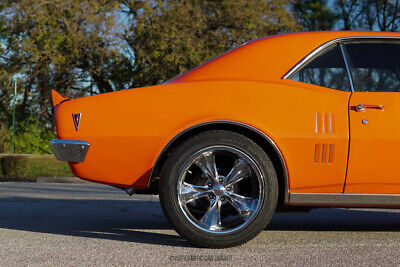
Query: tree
x: 170, y: 37
x: 382, y: 15
x: 314, y: 15
x: 373, y: 15
x: 349, y: 14
x: 65, y: 45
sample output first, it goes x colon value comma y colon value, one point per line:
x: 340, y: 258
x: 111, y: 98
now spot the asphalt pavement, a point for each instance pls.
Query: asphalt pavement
x: 89, y: 224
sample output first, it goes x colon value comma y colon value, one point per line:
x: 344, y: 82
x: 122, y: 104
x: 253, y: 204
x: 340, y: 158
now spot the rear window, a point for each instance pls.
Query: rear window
x: 327, y: 69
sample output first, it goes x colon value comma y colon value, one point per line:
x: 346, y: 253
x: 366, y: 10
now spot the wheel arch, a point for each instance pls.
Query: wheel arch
x: 263, y: 140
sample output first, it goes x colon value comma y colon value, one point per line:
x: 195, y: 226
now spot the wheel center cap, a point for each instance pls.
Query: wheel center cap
x: 219, y: 190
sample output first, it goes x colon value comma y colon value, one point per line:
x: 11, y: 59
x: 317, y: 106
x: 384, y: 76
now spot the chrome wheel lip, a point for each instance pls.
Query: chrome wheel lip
x: 190, y: 161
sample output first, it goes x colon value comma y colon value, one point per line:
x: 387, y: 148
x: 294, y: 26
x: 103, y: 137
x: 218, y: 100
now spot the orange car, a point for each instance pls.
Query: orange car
x: 302, y: 119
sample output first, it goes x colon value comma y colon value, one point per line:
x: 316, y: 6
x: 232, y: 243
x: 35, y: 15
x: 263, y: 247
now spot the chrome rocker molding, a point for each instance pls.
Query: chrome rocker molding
x: 69, y: 150
x: 343, y: 200
x: 235, y: 123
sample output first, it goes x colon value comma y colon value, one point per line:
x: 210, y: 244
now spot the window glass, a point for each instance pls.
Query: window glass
x: 375, y: 67
x: 327, y: 69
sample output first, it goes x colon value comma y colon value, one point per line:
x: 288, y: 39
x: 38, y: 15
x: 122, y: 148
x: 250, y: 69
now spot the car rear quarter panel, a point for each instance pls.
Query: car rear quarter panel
x: 128, y: 129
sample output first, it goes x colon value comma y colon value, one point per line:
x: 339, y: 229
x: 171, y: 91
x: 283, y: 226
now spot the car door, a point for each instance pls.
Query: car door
x: 317, y: 158
x: 374, y: 112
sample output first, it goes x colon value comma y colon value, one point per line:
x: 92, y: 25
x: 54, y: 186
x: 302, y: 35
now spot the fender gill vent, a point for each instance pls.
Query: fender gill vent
x: 324, y: 153
x: 324, y: 123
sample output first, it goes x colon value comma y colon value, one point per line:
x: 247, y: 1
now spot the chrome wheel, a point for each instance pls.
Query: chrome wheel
x: 220, y: 189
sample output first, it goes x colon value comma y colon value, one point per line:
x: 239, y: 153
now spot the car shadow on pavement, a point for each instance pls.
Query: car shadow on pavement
x: 335, y: 219
x: 122, y: 220
x: 142, y: 221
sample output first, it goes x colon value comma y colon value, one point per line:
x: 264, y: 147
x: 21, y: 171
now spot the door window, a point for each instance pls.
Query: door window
x: 375, y: 66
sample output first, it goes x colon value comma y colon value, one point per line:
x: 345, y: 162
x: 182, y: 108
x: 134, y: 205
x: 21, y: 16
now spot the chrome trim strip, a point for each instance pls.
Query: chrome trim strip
x: 346, y: 63
x: 316, y: 122
x: 325, y: 45
x: 266, y: 137
x: 73, y: 142
x: 310, y: 199
x: 69, y: 150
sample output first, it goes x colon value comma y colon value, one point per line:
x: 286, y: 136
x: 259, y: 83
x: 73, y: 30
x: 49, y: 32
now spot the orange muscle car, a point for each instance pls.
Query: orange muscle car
x: 285, y: 122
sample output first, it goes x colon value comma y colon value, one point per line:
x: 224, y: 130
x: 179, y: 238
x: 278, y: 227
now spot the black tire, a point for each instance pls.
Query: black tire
x: 169, y: 196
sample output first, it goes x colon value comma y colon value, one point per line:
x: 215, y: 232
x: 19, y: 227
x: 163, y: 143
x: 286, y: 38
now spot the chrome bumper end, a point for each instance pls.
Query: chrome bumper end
x: 69, y: 150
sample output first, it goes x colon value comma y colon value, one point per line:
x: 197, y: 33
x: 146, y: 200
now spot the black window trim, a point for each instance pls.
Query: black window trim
x: 347, y: 63
x: 341, y: 41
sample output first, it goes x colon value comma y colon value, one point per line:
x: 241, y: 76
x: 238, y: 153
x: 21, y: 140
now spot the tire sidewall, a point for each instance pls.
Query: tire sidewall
x: 169, y: 188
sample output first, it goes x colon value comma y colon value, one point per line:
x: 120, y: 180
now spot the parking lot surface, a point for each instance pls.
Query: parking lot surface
x: 90, y: 224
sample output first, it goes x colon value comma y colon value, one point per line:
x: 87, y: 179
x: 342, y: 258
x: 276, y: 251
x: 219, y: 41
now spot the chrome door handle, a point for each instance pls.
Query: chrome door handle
x: 359, y: 108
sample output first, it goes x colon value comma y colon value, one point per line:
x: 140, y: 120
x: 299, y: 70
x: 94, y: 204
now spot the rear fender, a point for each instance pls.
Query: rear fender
x: 58, y: 98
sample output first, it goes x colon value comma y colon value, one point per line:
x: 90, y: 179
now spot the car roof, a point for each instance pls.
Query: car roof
x: 269, y: 58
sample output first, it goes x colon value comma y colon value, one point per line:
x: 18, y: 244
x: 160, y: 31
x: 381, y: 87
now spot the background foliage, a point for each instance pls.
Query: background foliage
x: 28, y: 168
x: 95, y: 46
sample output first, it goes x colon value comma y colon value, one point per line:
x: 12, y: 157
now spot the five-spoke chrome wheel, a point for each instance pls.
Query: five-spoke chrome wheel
x: 220, y: 189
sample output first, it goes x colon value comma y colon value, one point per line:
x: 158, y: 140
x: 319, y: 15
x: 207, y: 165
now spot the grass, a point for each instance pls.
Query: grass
x: 27, y: 167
